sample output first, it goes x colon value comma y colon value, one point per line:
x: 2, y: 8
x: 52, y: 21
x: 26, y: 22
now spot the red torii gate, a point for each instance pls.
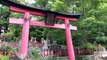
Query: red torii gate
x: 27, y: 22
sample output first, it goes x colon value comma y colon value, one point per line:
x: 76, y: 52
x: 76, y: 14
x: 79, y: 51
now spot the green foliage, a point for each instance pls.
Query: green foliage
x: 4, y: 14
x: 7, y: 48
x: 34, y: 53
x: 2, y: 57
x: 89, y: 46
x: 2, y: 23
x: 101, y: 40
x: 59, y: 6
x: 8, y: 35
x: 36, y: 31
x: 78, y: 57
x: 41, y: 4
x: 57, y: 35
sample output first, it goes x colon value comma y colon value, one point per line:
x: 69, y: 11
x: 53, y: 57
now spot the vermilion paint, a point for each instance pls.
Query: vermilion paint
x: 69, y: 41
x: 42, y: 24
x: 26, y: 22
x: 25, y: 35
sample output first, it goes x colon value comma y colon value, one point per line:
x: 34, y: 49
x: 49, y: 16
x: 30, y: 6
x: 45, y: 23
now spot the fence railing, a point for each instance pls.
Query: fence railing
x: 65, y: 53
x: 54, y: 52
x: 59, y: 52
x: 84, y: 51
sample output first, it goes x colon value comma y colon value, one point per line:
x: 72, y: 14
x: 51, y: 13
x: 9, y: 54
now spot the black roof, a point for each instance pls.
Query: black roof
x: 11, y: 3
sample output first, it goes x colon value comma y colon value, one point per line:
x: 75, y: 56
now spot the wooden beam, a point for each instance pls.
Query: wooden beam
x: 42, y: 24
x: 15, y: 9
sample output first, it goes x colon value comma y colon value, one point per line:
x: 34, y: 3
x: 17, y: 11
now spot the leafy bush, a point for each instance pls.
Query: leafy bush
x: 8, y: 48
x: 34, y: 53
x: 2, y: 57
x: 89, y: 46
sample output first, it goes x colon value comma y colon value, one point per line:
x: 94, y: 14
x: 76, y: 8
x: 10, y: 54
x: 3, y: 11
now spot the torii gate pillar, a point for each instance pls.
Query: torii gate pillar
x: 25, y: 35
x: 69, y: 42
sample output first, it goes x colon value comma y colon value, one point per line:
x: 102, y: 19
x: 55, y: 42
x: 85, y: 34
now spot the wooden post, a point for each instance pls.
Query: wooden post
x: 71, y: 55
x: 25, y: 36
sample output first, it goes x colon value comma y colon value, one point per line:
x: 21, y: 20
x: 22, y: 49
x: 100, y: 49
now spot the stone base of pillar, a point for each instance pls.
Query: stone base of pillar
x: 21, y: 56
